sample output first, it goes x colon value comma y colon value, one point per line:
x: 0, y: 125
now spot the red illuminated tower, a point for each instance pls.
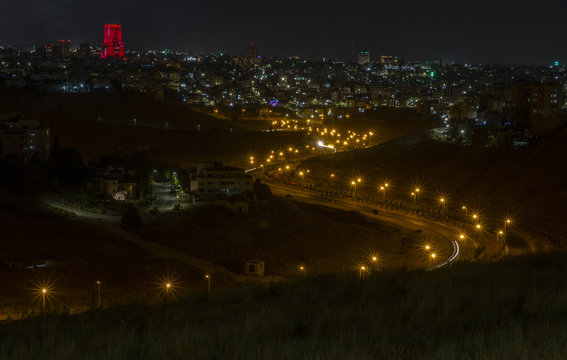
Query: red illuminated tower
x: 112, y: 46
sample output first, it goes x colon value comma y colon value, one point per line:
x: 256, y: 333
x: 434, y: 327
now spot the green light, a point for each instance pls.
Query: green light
x: 556, y: 63
x: 432, y: 74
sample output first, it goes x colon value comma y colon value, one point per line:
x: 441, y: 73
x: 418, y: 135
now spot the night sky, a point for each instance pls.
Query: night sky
x: 472, y: 32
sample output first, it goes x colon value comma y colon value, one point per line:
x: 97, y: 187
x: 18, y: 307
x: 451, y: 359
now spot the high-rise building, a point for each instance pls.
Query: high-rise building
x: 59, y: 49
x: 112, y: 46
x: 251, y: 51
x: 84, y: 50
x: 363, y: 57
x: 64, y: 47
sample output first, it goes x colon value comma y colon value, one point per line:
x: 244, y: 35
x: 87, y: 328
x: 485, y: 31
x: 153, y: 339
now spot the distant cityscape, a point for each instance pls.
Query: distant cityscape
x: 488, y: 104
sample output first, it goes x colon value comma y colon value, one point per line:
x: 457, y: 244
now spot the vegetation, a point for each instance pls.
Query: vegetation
x: 512, y: 309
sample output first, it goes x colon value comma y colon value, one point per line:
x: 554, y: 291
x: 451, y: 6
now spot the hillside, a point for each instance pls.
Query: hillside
x: 528, y: 184
x: 507, y: 310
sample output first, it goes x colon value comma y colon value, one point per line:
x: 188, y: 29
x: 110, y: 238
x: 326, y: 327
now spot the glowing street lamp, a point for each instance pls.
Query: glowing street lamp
x: 465, y: 210
x: 362, y: 270
x: 499, y: 234
x: 208, y: 277
x: 43, y: 296
x: 302, y: 269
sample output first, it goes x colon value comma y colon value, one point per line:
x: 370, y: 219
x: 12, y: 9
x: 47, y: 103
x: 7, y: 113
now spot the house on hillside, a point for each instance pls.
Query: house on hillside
x: 114, y: 182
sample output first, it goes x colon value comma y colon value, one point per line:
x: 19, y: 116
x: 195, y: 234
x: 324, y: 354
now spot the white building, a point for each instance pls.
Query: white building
x: 215, y: 179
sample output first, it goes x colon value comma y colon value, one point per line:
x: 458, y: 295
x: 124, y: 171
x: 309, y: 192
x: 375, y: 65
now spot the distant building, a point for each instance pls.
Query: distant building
x: 389, y: 62
x: 63, y: 48
x: 212, y: 178
x: 252, y: 53
x: 84, y: 50
x: 25, y: 140
x: 363, y: 57
x: 433, y: 62
x: 536, y: 106
x: 116, y: 183
x: 254, y: 267
x: 112, y: 46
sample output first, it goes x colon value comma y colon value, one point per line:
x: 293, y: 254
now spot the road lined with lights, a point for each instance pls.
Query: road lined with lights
x: 405, y: 221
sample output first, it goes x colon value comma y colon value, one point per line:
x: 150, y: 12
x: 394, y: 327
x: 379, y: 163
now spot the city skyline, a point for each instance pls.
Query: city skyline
x: 484, y: 33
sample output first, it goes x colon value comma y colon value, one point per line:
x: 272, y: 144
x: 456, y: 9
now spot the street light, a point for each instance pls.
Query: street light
x: 98, y: 286
x: 43, y: 296
x: 362, y: 269
x: 208, y: 277
x: 302, y: 269
x: 499, y: 234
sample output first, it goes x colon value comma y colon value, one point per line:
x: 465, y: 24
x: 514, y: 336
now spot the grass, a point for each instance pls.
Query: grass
x: 514, y: 309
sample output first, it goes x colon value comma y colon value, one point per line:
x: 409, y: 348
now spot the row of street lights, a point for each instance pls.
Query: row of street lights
x: 167, y: 288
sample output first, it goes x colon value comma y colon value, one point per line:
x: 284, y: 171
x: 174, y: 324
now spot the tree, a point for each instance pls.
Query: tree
x: 131, y: 218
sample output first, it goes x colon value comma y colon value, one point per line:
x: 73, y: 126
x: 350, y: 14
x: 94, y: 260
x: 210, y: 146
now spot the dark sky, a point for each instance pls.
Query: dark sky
x: 464, y: 31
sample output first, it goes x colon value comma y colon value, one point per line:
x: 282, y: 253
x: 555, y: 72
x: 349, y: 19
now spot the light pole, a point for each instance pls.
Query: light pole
x: 432, y: 258
x: 362, y: 269
x: 499, y: 233
x: 442, y: 201
x: 475, y: 217
x: 208, y: 277
x: 43, y: 296
x: 375, y: 261
x: 98, y: 286
x: 478, y: 229
x: 167, y: 288
x: 302, y: 268
x: 465, y: 210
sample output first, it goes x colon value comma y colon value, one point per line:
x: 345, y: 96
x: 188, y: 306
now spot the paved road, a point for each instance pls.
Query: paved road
x: 166, y: 198
x: 85, y: 215
x: 443, y: 235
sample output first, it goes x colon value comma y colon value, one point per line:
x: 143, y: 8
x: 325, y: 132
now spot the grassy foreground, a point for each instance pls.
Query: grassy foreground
x: 515, y: 309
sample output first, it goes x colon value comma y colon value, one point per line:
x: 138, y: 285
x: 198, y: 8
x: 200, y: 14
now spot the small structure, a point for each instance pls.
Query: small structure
x: 254, y: 267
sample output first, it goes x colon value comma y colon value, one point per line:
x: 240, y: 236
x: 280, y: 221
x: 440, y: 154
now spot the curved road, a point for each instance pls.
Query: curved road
x: 444, y: 234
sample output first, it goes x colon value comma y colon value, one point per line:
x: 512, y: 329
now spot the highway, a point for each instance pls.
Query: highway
x: 443, y: 235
